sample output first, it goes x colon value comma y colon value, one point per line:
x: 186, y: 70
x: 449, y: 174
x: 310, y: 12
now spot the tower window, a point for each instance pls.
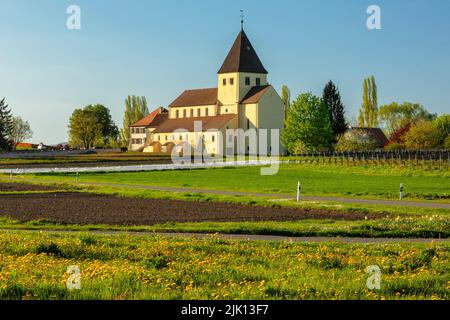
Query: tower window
x: 213, y: 138
x: 247, y: 81
x: 192, y: 113
x: 184, y: 113
x: 206, y: 112
x: 224, y: 81
x: 258, y: 81
x: 177, y: 114
x: 231, y: 81
x: 248, y: 123
x: 199, y: 113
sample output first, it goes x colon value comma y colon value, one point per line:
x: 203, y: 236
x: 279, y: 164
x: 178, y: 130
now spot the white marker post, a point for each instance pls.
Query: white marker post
x: 299, y: 190
x: 402, y: 187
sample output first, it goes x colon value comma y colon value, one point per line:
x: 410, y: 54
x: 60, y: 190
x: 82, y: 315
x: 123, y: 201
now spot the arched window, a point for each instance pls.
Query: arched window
x: 192, y: 113
x: 199, y: 113
x: 184, y: 113
x: 177, y: 114
x: 206, y: 112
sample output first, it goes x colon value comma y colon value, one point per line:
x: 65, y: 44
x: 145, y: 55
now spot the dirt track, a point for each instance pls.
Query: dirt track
x: 82, y: 208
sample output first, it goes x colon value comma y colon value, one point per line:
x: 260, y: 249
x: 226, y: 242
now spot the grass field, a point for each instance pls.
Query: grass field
x: 34, y: 265
x: 316, y: 180
x: 371, y: 182
x: 394, y: 221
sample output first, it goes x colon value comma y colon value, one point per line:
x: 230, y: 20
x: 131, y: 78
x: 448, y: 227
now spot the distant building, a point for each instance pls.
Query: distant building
x: 243, y: 99
x: 376, y: 134
x: 25, y: 146
x: 141, y: 131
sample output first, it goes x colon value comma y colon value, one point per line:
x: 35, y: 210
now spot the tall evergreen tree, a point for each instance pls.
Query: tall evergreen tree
x: 135, y: 109
x: 6, y: 126
x: 368, y: 114
x: 332, y: 99
x: 286, y: 97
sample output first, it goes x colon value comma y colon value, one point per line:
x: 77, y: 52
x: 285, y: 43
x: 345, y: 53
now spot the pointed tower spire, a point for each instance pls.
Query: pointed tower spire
x: 242, y: 57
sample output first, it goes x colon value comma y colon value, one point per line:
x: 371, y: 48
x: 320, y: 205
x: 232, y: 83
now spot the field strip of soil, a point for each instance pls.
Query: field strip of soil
x: 84, y: 208
x: 244, y: 237
x: 17, y: 187
x: 415, y: 204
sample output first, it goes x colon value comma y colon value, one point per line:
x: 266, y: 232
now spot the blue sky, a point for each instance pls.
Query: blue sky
x: 160, y: 48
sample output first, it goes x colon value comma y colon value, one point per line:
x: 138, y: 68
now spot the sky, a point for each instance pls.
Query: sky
x: 159, y: 48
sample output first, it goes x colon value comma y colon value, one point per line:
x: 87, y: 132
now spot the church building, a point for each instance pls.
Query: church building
x: 243, y: 99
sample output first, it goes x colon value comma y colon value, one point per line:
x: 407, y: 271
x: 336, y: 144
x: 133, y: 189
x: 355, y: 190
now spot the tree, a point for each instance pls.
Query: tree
x: 6, y: 126
x: 92, y: 126
x: 423, y: 135
x: 336, y: 110
x: 307, y: 126
x: 83, y: 129
x: 368, y: 114
x: 135, y: 109
x: 394, y: 116
x: 443, y: 126
x: 21, y: 130
x: 397, y: 138
x: 109, y: 132
x: 286, y: 97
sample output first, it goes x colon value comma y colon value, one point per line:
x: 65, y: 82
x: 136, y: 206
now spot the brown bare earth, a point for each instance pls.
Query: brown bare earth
x: 11, y: 187
x: 83, y: 208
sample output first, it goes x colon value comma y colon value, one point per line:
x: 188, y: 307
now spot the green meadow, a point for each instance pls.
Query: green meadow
x: 360, y: 181
x: 34, y: 266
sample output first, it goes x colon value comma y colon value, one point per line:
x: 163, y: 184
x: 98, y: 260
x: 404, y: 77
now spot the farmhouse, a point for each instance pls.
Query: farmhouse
x: 243, y: 101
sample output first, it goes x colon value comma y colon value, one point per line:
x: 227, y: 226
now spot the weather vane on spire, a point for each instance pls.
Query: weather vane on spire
x: 242, y: 19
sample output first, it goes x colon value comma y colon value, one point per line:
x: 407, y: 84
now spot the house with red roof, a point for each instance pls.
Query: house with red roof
x: 141, y: 131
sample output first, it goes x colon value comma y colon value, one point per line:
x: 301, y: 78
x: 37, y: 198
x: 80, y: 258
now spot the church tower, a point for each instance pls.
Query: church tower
x: 241, y: 71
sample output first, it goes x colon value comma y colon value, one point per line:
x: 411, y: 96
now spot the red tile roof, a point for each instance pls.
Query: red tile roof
x: 149, y: 119
x: 255, y: 94
x: 199, y: 97
x: 216, y: 122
